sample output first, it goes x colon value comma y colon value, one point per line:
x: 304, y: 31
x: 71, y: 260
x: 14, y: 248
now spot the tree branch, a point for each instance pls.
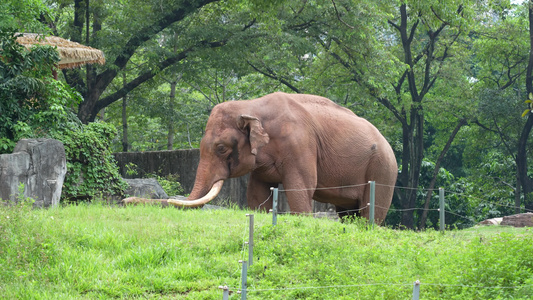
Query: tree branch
x: 271, y: 74
x: 423, y: 219
x: 339, y: 16
x: 104, y: 102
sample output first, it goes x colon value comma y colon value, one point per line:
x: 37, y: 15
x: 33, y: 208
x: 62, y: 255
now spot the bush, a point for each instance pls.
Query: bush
x: 32, y: 103
x: 91, y: 168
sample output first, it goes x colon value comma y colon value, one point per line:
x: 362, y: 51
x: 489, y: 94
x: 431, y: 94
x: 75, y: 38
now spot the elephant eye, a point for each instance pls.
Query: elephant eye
x: 221, y: 149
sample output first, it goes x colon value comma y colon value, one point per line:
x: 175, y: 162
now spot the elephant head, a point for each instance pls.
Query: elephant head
x: 228, y: 149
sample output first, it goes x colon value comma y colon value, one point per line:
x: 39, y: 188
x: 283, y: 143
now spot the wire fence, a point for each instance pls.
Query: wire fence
x: 244, y: 290
x: 394, y: 209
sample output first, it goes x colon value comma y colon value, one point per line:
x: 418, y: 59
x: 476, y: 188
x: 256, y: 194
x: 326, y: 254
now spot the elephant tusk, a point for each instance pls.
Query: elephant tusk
x: 215, y: 189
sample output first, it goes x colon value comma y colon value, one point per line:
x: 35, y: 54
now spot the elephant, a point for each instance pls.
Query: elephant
x: 316, y: 148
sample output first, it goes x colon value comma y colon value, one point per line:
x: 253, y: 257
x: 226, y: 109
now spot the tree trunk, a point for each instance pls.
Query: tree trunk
x: 521, y: 163
x: 124, y: 118
x: 411, y: 165
x: 517, y: 195
x: 521, y: 157
x: 423, y: 219
x: 172, y: 101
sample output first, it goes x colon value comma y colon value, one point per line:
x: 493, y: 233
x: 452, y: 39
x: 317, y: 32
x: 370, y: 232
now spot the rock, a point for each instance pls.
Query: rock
x: 39, y: 164
x: 518, y: 220
x: 494, y: 221
x: 145, y: 187
x: 329, y: 214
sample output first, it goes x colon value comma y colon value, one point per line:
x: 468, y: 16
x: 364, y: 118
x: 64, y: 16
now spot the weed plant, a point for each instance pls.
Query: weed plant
x: 96, y: 251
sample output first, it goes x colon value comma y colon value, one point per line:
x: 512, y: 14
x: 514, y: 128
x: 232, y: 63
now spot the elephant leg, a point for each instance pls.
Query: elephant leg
x: 258, y: 195
x: 382, y: 203
x: 299, y: 189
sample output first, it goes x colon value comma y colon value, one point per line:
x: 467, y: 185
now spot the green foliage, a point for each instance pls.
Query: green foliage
x: 91, y: 169
x: 95, y: 251
x: 35, y: 105
x: 20, y: 199
x: 32, y: 104
x: 170, y: 184
x: 22, y: 14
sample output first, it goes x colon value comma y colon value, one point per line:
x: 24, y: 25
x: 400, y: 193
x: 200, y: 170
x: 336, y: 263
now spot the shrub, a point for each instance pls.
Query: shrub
x: 32, y: 103
x: 91, y: 168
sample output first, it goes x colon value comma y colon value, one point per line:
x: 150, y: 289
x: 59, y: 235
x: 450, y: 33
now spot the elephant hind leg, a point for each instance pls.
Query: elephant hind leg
x: 383, y: 199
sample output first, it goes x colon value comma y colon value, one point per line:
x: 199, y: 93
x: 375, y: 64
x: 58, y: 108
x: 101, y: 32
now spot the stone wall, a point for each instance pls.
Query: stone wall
x: 184, y: 163
x: 39, y: 164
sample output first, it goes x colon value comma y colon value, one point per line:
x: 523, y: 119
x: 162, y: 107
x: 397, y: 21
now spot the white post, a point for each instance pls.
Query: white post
x: 244, y: 280
x: 372, y: 203
x: 441, y: 210
x: 225, y: 292
x: 274, y: 206
x: 251, y: 239
x: 416, y: 290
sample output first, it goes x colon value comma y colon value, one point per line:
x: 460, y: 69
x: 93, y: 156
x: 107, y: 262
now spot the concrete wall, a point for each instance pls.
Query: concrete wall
x: 184, y: 163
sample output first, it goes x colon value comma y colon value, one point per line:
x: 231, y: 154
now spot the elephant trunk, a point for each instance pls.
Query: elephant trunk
x: 215, y: 189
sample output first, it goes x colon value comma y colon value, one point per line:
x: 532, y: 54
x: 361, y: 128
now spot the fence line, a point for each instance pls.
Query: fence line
x: 324, y: 188
x: 387, y: 284
x: 417, y: 283
x: 401, y: 209
x: 245, y: 290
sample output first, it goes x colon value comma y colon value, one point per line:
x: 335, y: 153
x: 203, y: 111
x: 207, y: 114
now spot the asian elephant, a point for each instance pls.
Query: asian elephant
x: 314, y: 147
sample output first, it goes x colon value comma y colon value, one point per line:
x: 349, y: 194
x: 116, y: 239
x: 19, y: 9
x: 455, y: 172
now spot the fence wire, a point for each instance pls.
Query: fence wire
x: 385, y: 284
x: 469, y: 218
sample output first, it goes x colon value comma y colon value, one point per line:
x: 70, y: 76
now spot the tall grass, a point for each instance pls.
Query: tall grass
x: 100, y: 252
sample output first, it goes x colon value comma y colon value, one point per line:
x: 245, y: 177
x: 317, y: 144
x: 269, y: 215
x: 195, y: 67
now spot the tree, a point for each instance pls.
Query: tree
x: 123, y: 39
x: 419, y: 44
x: 521, y: 157
x: 504, y: 65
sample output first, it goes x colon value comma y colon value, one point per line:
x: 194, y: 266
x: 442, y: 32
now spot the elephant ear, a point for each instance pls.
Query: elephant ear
x: 258, y: 136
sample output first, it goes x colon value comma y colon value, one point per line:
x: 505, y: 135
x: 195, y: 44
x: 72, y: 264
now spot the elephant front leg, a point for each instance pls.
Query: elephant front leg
x: 299, y: 189
x: 259, y: 195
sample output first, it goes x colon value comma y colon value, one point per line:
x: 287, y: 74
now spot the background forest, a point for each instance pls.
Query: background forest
x: 447, y: 82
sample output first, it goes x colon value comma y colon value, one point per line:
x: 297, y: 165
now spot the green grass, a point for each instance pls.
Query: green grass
x: 146, y: 252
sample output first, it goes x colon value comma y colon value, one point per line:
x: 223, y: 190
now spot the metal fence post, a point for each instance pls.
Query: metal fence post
x: 274, y: 206
x: 251, y: 239
x: 372, y: 203
x: 441, y: 210
x: 244, y: 280
x: 225, y: 292
x: 416, y: 290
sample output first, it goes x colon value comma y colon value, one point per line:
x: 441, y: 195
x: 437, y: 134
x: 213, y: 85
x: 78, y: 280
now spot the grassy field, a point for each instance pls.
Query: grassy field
x: 101, y: 252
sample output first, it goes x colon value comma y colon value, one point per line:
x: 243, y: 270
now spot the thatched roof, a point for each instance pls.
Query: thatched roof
x: 71, y: 54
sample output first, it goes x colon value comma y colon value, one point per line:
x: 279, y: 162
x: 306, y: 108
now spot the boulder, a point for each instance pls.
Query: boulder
x: 518, y: 220
x: 494, y: 221
x: 40, y: 165
x: 145, y: 187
